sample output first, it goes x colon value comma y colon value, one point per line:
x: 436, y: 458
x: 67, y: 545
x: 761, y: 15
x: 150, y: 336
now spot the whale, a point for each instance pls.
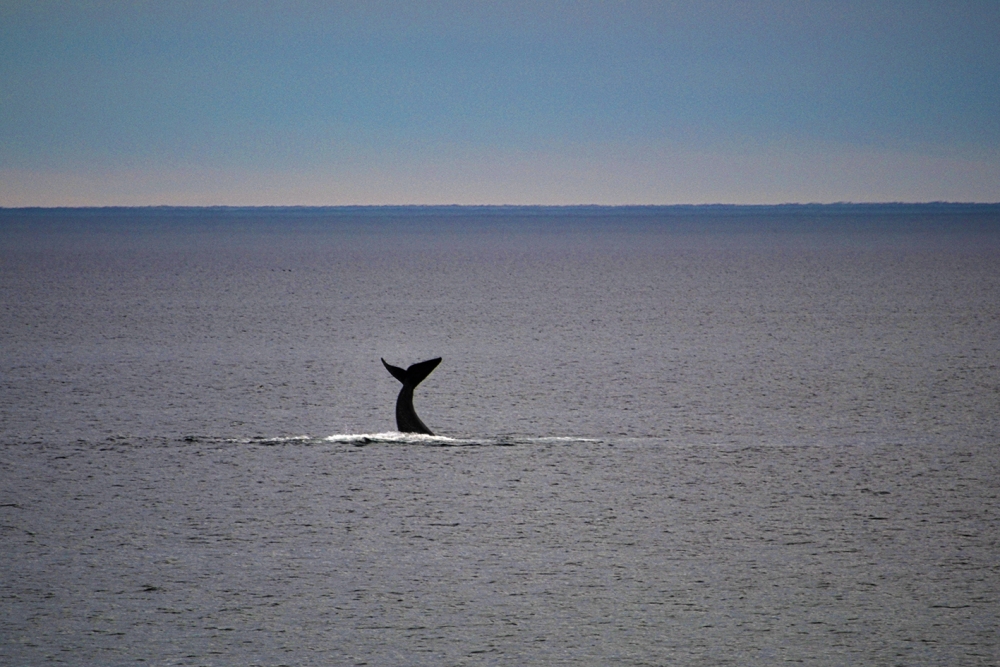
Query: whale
x: 407, y: 420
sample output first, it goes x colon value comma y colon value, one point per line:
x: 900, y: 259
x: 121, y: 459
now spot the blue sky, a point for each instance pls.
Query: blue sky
x: 301, y: 102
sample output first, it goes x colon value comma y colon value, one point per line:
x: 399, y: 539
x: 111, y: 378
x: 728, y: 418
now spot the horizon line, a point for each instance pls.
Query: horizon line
x: 472, y: 206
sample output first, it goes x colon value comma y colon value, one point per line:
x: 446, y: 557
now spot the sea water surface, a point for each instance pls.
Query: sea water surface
x: 665, y: 435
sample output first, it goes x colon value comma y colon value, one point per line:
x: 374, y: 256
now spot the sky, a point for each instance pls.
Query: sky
x: 170, y: 102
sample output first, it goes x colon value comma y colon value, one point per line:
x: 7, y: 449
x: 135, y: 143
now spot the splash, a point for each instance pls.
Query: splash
x: 394, y: 437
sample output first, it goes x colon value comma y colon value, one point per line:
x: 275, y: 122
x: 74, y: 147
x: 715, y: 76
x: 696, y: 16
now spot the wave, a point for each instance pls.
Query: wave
x: 394, y: 437
x: 397, y: 438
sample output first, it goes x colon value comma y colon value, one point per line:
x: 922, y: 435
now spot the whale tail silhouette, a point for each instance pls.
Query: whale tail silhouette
x: 415, y: 374
x: 407, y: 420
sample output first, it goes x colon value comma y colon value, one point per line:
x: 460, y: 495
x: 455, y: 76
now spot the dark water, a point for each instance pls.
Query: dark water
x: 668, y: 436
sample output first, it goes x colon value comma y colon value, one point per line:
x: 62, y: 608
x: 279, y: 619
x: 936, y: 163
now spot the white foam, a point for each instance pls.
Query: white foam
x: 389, y: 437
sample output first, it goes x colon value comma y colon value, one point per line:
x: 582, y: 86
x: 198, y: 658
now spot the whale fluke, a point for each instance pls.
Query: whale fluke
x: 407, y: 420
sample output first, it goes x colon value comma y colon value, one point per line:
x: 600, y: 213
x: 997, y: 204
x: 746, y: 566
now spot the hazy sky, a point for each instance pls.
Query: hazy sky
x: 302, y: 102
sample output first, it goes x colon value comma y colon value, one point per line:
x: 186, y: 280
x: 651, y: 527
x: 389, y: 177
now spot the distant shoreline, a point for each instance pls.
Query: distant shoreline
x: 886, y: 208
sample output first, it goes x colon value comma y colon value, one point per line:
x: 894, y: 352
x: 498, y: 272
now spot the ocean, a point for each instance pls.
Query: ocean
x: 693, y: 435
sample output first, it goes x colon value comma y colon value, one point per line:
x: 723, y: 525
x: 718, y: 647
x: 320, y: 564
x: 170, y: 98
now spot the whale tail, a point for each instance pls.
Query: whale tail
x: 415, y: 374
x: 407, y: 420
